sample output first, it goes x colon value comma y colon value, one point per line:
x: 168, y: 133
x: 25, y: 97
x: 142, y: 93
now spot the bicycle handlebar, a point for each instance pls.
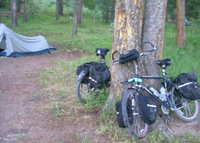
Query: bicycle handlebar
x: 148, y: 51
x: 142, y: 54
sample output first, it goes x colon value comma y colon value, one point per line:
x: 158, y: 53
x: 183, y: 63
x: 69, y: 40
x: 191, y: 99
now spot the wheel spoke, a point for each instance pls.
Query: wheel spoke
x: 186, y: 110
x: 135, y: 126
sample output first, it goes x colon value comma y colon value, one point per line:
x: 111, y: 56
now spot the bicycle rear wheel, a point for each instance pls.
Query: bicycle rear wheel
x: 186, y: 110
x: 135, y: 126
x: 83, y: 89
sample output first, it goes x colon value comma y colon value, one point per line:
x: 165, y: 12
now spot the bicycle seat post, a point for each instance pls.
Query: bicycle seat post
x: 136, y: 68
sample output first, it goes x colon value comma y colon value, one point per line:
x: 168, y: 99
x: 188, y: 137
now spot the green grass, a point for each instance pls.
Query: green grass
x: 92, y: 33
x: 59, y: 82
x: 185, y: 58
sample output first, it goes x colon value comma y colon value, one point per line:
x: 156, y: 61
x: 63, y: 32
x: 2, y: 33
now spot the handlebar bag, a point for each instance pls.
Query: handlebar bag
x: 147, y: 108
x: 187, y: 86
x: 129, y: 56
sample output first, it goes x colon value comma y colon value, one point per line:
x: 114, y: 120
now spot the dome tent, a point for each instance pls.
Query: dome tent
x: 15, y: 45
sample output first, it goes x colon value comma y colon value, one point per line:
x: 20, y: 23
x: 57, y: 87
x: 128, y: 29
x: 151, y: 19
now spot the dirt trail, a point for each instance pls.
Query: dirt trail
x: 19, y: 119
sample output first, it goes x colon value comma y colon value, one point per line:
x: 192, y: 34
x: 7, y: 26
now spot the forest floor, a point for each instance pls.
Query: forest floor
x: 22, y: 122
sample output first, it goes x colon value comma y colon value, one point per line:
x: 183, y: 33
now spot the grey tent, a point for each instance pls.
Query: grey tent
x: 15, y: 45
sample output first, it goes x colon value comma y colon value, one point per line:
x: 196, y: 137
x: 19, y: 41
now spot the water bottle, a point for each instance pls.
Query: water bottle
x: 155, y: 92
x: 163, y: 93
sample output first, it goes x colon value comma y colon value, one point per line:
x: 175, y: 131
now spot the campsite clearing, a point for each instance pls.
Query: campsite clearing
x: 24, y: 116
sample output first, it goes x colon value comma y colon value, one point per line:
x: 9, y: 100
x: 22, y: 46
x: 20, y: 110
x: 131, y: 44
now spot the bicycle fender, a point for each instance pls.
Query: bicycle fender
x: 84, y: 72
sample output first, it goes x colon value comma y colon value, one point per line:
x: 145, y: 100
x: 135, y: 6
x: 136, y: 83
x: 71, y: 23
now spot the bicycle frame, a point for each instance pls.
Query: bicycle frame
x: 138, y: 85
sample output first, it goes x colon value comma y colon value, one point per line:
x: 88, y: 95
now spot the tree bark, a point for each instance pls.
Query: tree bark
x: 25, y: 10
x: 14, y: 12
x: 19, y: 2
x: 113, y: 11
x: 153, y: 30
x: 75, y: 19
x: 127, y: 35
x: 80, y: 8
x: 57, y: 9
x: 61, y: 8
x: 180, y: 23
x: 107, y: 14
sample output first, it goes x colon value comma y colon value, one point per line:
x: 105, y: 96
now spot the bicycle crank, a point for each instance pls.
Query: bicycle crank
x: 164, y: 109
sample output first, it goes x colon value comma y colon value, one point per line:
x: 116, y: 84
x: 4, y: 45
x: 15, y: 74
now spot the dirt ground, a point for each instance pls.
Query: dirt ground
x: 19, y: 119
x: 20, y: 122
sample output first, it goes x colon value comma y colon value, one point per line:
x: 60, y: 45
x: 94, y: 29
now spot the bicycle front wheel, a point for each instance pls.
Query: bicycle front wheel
x: 84, y: 90
x: 186, y: 110
x: 135, y: 126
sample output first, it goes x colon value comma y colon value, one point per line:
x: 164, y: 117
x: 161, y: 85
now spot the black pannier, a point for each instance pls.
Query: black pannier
x: 187, y: 86
x: 120, y: 121
x: 83, y: 67
x: 99, y: 75
x: 129, y: 56
x: 147, y: 108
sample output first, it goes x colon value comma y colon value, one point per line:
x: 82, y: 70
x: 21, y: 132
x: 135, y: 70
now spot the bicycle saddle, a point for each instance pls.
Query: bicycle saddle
x: 101, y: 52
x: 164, y: 63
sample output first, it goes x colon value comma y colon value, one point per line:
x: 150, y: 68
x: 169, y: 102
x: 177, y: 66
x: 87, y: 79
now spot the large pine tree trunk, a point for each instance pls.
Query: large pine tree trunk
x: 180, y: 23
x: 127, y: 35
x: 25, y: 10
x: 75, y: 19
x: 153, y: 30
x: 14, y: 12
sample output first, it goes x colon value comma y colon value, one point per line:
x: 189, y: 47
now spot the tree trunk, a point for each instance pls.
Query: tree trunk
x: 180, y: 23
x: 80, y: 8
x: 14, y: 12
x: 19, y: 2
x: 127, y: 35
x: 61, y: 8
x: 153, y: 30
x: 75, y: 19
x: 113, y: 11
x: 107, y: 14
x: 137, y: 21
x: 57, y: 9
x: 25, y: 10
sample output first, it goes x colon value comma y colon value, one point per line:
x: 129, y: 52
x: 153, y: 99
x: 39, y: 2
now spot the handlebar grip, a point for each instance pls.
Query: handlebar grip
x: 149, y: 43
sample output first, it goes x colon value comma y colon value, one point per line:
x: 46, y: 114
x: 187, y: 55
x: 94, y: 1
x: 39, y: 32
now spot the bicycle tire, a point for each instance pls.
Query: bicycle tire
x: 134, y: 124
x: 186, y: 110
x: 83, y: 89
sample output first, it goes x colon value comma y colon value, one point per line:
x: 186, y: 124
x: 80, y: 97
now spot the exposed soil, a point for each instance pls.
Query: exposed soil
x: 21, y: 122
x: 19, y: 119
